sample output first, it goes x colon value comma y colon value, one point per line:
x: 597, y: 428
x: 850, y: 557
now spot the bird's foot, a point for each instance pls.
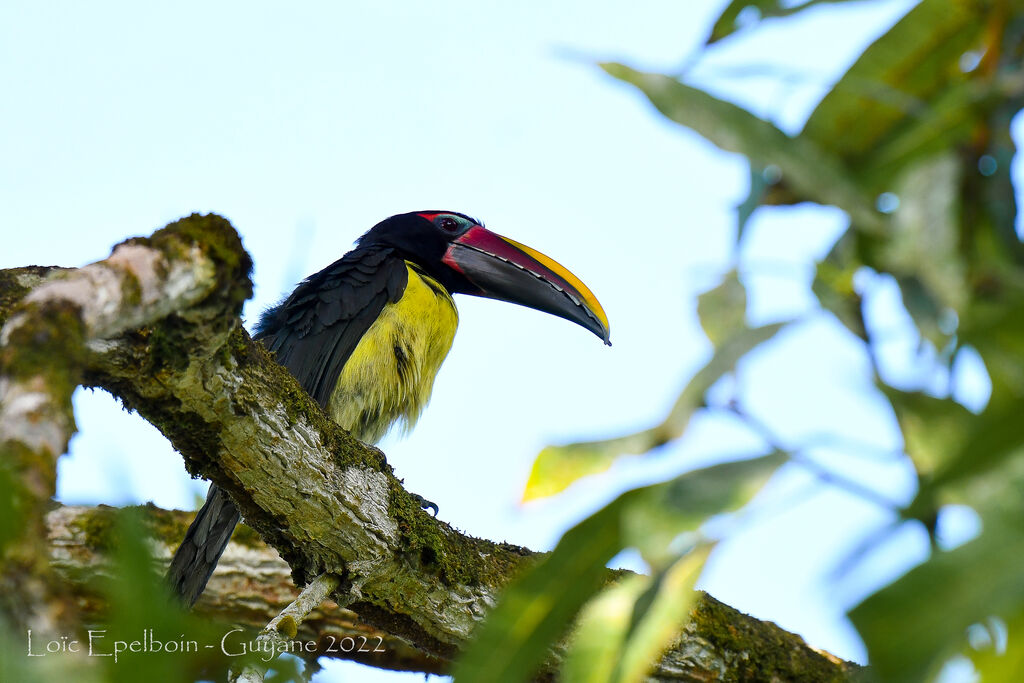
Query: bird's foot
x: 424, y: 503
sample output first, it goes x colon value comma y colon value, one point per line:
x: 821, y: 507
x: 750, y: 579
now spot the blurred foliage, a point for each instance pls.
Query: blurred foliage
x: 559, y: 466
x: 661, y: 521
x: 745, y: 13
x: 625, y: 627
x: 10, y: 508
x: 138, y: 603
x: 142, y: 634
x: 913, y: 142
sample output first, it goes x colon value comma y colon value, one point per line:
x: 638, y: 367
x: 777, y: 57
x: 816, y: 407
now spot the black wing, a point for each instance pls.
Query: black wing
x: 314, y: 331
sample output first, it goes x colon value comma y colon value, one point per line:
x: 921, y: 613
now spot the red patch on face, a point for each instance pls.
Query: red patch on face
x: 451, y: 262
x: 429, y: 216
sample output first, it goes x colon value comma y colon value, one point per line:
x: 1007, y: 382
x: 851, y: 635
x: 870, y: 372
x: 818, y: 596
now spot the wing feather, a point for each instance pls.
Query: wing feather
x: 315, y: 330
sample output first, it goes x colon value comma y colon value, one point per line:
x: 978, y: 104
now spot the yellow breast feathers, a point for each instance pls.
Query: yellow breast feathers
x: 390, y: 374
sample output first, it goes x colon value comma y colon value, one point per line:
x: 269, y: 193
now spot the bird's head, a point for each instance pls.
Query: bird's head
x: 466, y: 258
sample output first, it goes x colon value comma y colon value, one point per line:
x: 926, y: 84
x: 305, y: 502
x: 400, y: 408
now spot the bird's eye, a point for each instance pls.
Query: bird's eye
x: 448, y: 224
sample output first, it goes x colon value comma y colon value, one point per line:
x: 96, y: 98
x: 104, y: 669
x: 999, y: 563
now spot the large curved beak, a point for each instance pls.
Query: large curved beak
x: 505, y: 269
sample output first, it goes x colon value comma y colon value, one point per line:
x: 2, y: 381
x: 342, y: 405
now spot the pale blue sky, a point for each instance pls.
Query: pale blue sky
x: 305, y: 124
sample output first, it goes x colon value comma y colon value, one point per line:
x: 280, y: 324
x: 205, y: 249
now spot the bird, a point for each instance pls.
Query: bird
x: 366, y: 336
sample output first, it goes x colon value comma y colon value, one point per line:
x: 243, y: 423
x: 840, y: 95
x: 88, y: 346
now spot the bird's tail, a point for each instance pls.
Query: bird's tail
x: 194, y: 561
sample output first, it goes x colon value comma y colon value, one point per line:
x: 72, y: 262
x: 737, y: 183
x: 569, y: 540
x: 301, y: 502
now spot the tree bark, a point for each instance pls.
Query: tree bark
x: 249, y: 587
x: 157, y: 325
x: 252, y: 584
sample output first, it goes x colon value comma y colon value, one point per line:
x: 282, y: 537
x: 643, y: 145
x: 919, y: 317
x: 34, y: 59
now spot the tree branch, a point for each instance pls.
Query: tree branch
x: 157, y: 325
x: 249, y: 587
x: 252, y: 584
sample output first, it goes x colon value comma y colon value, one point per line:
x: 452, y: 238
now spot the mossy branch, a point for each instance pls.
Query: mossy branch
x: 51, y: 334
x: 251, y: 584
x: 157, y: 325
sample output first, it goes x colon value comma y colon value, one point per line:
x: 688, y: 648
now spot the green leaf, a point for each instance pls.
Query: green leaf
x: 923, y: 251
x: 556, y: 467
x: 995, y: 329
x: 623, y: 630
x: 911, y: 626
x: 958, y: 455
x: 926, y: 228
x: 11, y: 514
x: 727, y: 22
x: 536, y: 608
x: 17, y: 665
x: 997, y: 664
x: 138, y: 601
x: 761, y: 180
x: 889, y: 90
x: 924, y: 309
x: 993, y: 436
x: 723, y: 309
x: 833, y: 285
x: 948, y: 120
x: 660, y: 614
x: 807, y: 169
x: 657, y: 516
x: 597, y: 641
x: 934, y: 429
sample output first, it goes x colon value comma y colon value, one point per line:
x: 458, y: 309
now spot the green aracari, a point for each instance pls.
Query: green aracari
x: 366, y: 336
